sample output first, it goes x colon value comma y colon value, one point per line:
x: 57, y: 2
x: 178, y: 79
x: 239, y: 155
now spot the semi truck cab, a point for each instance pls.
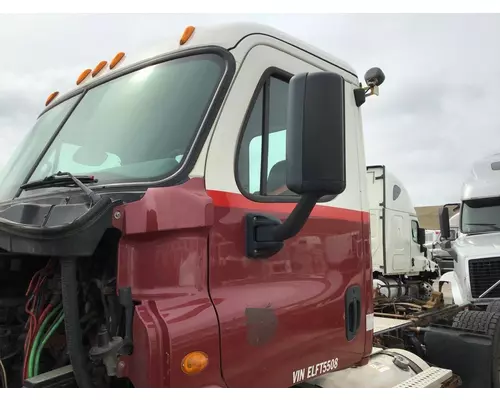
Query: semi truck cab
x: 475, y: 249
x: 397, y: 240
x: 203, y: 208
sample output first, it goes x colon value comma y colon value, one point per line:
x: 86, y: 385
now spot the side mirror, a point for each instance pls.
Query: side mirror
x: 315, y: 148
x: 444, y: 223
x: 374, y: 77
x: 421, y: 236
x: 315, y: 158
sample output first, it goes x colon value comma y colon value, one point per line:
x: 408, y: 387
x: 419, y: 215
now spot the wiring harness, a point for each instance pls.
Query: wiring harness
x: 45, y: 317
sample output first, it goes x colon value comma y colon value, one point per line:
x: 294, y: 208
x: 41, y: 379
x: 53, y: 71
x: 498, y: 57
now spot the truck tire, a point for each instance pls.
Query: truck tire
x: 487, y: 323
x: 494, y: 307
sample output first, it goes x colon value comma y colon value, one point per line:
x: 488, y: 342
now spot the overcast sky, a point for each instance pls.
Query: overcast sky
x: 438, y: 109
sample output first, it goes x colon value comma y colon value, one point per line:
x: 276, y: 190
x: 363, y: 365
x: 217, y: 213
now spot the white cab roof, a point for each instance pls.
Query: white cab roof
x: 484, y: 179
x: 226, y: 36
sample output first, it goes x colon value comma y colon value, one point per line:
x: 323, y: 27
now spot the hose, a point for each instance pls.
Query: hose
x: 69, y: 286
x: 45, y: 339
x: 4, y: 375
x: 38, y: 337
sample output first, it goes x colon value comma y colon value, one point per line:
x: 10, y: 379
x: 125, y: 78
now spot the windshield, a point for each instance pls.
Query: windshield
x: 136, y: 128
x: 481, y: 215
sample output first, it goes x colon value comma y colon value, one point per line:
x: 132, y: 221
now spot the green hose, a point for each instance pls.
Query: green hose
x: 47, y: 337
x: 39, y: 337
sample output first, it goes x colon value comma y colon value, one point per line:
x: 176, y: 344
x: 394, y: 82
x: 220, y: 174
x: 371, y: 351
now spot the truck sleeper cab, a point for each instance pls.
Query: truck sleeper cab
x: 180, y: 149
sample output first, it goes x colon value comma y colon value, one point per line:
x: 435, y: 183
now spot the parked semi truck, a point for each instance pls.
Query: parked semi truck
x: 198, y: 216
x: 475, y: 247
x: 399, y: 259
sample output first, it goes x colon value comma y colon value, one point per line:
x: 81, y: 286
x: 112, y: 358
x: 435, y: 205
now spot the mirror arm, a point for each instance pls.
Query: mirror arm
x: 293, y: 224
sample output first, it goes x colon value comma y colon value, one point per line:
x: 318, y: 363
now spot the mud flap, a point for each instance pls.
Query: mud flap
x: 458, y: 297
x: 467, y: 354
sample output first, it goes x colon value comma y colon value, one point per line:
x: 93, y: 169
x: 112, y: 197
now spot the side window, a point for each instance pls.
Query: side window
x: 414, y: 231
x: 261, y: 161
x: 396, y: 191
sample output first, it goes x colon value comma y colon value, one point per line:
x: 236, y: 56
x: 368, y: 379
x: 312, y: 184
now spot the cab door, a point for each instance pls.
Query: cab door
x: 283, y: 318
x: 418, y: 259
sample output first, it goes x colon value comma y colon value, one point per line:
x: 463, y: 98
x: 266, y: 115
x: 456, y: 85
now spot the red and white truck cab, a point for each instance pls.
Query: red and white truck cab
x: 202, y: 211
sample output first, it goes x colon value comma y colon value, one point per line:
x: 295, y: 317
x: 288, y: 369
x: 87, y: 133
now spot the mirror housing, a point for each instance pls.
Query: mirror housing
x: 444, y: 223
x: 421, y: 236
x: 315, y: 148
x: 374, y: 77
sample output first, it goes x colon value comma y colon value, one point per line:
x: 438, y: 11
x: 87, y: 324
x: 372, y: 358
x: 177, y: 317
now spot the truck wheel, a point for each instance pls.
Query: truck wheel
x: 487, y: 323
x: 494, y: 307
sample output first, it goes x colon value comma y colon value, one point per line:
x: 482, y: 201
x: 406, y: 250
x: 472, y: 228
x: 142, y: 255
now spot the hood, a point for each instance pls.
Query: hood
x: 487, y: 244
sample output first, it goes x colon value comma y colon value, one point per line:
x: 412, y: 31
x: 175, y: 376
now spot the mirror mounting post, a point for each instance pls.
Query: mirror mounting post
x: 297, y: 219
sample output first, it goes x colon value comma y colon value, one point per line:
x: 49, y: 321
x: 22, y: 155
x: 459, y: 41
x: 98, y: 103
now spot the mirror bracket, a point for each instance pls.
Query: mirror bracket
x: 256, y: 226
x: 265, y: 235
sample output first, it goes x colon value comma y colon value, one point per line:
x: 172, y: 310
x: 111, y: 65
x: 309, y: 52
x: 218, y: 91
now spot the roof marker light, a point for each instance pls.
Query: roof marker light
x: 116, y: 60
x: 83, y: 76
x: 188, y: 32
x: 98, y: 68
x: 51, y: 98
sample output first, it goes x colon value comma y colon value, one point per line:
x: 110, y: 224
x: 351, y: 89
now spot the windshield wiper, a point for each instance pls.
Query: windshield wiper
x: 64, y: 179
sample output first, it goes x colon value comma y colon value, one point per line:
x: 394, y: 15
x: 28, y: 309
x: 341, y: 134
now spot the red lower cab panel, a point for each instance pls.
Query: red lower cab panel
x: 262, y: 323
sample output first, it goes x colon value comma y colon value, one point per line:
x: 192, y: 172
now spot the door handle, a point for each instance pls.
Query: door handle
x: 352, y: 311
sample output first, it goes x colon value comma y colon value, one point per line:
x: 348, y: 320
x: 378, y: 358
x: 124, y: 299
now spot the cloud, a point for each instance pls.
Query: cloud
x: 437, y: 113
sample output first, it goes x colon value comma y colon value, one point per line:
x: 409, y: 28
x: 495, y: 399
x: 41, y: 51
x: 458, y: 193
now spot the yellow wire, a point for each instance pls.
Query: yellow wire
x: 4, y: 374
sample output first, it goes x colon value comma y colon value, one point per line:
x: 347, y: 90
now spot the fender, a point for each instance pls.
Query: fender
x: 450, y: 277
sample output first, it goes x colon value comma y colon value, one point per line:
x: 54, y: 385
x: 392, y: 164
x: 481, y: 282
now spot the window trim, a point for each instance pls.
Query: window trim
x: 269, y: 73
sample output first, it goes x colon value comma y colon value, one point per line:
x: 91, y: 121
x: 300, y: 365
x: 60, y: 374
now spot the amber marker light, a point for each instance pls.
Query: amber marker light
x: 98, y: 68
x: 194, y: 362
x: 116, y: 60
x: 83, y: 76
x: 51, y: 98
x: 186, y: 35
